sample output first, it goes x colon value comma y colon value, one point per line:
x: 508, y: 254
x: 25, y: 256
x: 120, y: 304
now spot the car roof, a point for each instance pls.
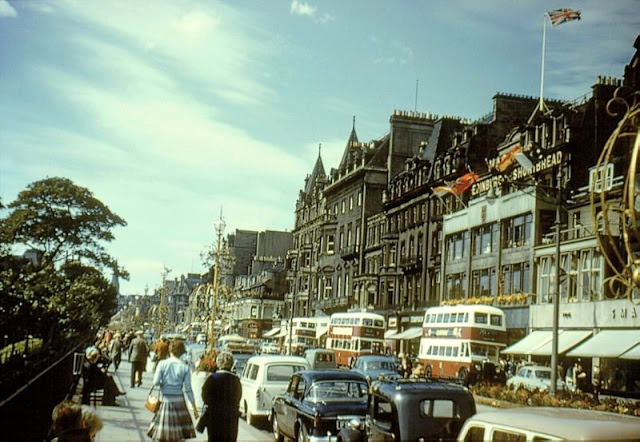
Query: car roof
x: 567, y: 423
x: 264, y: 359
x: 390, y: 387
x: 331, y: 374
x: 385, y: 357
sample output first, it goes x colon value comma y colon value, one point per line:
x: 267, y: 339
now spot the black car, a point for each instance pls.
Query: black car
x: 318, y: 404
x: 412, y: 409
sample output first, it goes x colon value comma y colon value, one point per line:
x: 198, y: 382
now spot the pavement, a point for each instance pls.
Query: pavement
x: 129, y: 421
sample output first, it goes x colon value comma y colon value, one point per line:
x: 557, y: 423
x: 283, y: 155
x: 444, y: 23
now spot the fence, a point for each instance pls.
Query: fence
x: 26, y: 414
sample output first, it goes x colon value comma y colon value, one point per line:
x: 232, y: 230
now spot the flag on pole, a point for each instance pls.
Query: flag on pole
x: 513, y: 156
x: 559, y: 16
x: 457, y: 187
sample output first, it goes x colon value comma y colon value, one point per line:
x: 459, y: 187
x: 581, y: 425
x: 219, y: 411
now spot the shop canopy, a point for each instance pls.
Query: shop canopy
x: 634, y: 353
x: 608, y: 344
x: 271, y: 333
x: 530, y: 342
x: 567, y: 339
x: 389, y: 334
x: 321, y: 330
x: 410, y: 333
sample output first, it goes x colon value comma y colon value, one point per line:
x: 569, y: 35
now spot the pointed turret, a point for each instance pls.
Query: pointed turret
x: 352, y: 142
x: 317, y: 174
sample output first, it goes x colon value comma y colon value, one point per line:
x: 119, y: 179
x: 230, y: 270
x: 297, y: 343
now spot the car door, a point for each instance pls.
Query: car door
x: 288, y: 407
x: 380, y: 420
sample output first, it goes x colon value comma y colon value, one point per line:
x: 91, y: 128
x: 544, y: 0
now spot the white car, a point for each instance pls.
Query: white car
x: 264, y: 377
x: 532, y: 377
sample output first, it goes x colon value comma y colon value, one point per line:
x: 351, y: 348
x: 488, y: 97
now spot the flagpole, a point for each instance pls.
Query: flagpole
x: 541, y: 106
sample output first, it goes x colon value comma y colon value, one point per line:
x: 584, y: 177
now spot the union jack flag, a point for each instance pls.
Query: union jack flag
x: 559, y: 16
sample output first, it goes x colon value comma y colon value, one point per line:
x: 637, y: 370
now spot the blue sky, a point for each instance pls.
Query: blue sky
x: 170, y: 111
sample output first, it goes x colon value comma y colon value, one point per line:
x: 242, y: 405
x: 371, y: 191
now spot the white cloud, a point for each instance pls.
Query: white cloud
x: 302, y: 8
x: 6, y: 10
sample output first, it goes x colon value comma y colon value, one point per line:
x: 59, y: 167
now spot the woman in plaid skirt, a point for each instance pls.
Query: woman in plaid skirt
x: 172, y: 422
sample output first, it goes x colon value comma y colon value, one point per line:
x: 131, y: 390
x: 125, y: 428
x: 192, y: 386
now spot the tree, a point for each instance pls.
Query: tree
x: 65, y: 293
x: 63, y: 221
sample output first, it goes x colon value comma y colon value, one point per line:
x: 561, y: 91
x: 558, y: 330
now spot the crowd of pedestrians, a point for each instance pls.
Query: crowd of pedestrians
x: 177, y: 418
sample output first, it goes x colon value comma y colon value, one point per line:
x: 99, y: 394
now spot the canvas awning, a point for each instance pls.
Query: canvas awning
x: 530, y: 342
x: 321, y: 330
x: 608, y: 344
x: 567, y: 339
x: 389, y: 334
x: 283, y: 332
x: 634, y: 353
x: 271, y: 333
x: 410, y: 333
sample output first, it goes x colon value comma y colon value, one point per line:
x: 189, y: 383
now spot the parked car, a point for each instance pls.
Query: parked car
x: 318, y: 404
x: 532, y: 377
x: 412, y: 409
x: 264, y: 377
x: 319, y: 358
x: 374, y: 366
x: 549, y: 423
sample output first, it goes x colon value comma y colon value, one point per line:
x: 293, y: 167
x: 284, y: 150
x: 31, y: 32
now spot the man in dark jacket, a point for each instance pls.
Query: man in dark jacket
x: 138, y: 352
x: 221, y: 394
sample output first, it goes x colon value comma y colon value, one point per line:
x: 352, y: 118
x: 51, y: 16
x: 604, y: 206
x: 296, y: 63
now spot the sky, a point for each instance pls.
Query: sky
x: 173, y: 112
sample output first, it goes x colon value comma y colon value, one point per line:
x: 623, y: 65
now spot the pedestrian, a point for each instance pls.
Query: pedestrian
x: 115, y: 351
x: 172, y: 422
x: 67, y: 424
x: 221, y: 395
x: 95, y: 377
x: 138, y: 352
x: 162, y: 351
x: 91, y: 421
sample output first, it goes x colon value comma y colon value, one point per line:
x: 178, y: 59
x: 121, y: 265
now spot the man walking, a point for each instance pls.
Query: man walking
x: 138, y: 352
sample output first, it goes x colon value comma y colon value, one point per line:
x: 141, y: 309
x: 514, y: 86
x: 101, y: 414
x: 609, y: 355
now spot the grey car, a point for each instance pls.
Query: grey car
x: 375, y: 366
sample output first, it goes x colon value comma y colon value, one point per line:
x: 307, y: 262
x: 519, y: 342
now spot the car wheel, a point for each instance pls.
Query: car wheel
x: 277, y: 436
x: 303, y: 435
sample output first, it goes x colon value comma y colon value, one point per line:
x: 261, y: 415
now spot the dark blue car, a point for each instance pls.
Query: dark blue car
x: 318, y: 404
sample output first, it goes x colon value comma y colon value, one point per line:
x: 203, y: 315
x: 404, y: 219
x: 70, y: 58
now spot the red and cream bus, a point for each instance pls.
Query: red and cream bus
x: 355, y: 333
x: 457, y: 341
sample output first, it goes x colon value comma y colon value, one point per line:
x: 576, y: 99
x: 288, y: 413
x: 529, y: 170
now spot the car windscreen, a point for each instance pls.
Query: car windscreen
x: 282, y: 373
x: 543, y: 374
x: 332, y: 390
x: 380, y: 365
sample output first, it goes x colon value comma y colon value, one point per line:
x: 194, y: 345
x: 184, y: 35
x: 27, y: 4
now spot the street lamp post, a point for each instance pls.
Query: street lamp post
x: 219, y: 226
x: 556, y: 292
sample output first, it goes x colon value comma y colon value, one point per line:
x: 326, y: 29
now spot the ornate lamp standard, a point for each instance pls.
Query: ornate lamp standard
x: 219, y: 225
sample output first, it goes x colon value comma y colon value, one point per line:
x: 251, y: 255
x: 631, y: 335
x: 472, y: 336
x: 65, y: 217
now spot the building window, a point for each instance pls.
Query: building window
x: 330, y: 244
x: 351, y: 202
x: 483, y: 282
x: 454, y: 288
x: 483, y: 239
x: 600, y: 177
x: 344, y: 206
x: 517, y: 231
x: 359, y: 198
x: 327, y: 287
x: 545, y: 276
x: 456, y: 245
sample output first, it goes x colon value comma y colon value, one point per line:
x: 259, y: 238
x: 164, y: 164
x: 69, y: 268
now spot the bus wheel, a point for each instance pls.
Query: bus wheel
x: 428, y: 372
x: 463, y: 375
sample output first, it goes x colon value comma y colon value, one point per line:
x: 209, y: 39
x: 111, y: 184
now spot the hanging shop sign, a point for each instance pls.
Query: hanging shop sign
x: 547, y: 162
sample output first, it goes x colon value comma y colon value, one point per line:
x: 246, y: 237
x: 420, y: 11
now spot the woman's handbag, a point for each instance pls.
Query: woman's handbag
x: 153, y: 402
x: 202, y: 421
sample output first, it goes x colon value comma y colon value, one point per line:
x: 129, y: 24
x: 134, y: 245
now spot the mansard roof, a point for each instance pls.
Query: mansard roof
x: 440, y: 138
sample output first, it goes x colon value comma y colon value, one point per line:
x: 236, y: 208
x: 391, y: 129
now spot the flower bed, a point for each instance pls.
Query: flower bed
x: 562, y: 399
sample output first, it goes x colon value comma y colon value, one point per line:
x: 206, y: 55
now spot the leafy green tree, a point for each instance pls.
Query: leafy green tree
x: 66, y: 293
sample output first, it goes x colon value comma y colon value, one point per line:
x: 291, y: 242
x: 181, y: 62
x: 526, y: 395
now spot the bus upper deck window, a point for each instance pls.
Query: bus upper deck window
x: 480, y: 318
x: 496, y: 320
x: 445, y: 317
x: 439, y: 317
x: 367, y: 322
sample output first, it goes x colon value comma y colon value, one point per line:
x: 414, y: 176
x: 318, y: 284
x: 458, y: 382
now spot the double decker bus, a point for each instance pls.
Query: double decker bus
x: 355, y: 333
x: 303, y: 334
x: 461, y: 340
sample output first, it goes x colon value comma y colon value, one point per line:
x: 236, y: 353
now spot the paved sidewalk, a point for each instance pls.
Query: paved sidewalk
x: 130, y: 420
